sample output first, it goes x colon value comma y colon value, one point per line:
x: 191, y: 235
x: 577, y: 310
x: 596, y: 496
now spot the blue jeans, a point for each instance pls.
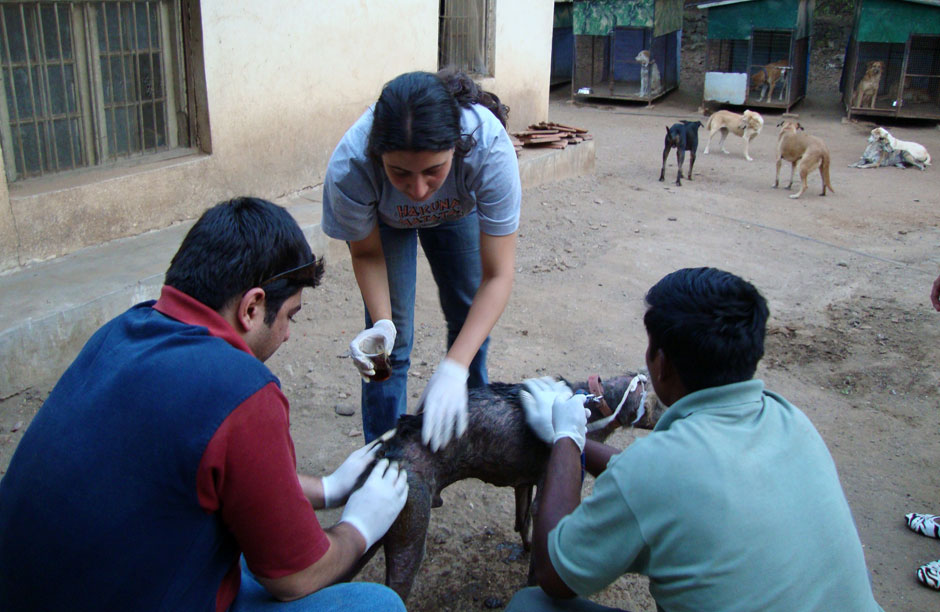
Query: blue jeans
x: 534, y: 599
x: 351, y: 596
x: 453, y: 253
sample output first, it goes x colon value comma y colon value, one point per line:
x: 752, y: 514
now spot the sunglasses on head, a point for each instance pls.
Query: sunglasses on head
x: 305, y: 272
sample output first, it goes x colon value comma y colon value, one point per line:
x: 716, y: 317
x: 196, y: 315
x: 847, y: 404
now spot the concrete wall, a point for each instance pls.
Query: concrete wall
x: 523, y: 59
x: 283, y: 80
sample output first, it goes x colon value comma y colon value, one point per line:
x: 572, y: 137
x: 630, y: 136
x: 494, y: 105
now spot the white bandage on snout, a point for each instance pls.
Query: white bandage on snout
x: 630, y: 389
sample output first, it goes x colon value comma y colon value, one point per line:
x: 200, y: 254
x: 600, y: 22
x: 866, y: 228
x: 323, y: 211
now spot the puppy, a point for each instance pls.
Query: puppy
x: 747, y: 126
x: 767, y: 78
x: 497, y: 448
x: 868, y: 84
x: 807, y: 152
x: 684, y: 137
x: 650, y: 80
x: 912, y: 153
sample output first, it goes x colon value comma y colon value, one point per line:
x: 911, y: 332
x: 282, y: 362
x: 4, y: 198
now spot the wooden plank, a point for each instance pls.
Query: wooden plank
x: 535, y: 139
x: 533, y: 132
x: 548, y: 125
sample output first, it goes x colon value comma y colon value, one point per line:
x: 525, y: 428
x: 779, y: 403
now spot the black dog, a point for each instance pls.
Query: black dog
x: 684, y: 137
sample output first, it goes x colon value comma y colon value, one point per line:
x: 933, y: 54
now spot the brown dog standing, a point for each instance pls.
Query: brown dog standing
x: 767, y: 77
x: 807, y: 152
x: 868, y: 85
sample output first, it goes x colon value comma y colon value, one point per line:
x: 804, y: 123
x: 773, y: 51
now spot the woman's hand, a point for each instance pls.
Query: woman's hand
x: 378, y: 339
x: 444, y: 404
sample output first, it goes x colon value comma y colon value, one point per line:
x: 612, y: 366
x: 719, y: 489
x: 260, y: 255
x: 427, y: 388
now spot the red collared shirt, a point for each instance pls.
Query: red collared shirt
x: 248, y: 473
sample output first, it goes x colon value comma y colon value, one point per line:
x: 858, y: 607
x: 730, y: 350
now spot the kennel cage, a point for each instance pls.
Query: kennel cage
x: 757, y: 52
x: 904, y: 36
x: 609, y: 36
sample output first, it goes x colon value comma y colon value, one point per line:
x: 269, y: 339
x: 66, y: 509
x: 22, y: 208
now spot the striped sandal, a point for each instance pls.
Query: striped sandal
x: 924, y: 524
x: 929, y: 575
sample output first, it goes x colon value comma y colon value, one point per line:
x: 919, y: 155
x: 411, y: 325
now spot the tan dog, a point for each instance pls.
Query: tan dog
x: 767, y: 78
x: 807, y: 152
x: 915, y: 95
x: 747, y: 126
x: 868, y: 84
x: 650, y: 79
x: 913, y: 153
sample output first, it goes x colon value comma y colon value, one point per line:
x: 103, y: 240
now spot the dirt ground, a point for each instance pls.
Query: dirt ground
x: 853, y: 339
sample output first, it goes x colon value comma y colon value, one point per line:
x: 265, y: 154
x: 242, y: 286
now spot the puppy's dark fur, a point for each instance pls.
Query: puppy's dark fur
x: 684, y: 137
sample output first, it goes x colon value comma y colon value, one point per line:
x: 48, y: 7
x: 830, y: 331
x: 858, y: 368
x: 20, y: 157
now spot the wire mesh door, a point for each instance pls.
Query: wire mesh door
x: 771, y: 67
x: 877, y: 73
x: 918, y: 91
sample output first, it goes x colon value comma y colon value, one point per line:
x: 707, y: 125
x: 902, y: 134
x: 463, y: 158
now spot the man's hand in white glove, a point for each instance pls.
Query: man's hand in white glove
x: 537, y: 397
x: 569, y: 419
x: 380, y: 338
x: 373, y: 507
x: 444, y: 404
x: 336, y: 486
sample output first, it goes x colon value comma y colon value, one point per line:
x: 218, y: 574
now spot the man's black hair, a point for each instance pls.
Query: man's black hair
x: 237, y: 245
x: 709, y: 323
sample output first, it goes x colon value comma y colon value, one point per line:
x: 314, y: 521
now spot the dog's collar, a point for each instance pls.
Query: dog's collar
x: 610, y: 422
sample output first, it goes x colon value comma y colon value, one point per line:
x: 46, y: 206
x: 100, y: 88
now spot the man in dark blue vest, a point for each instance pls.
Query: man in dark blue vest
x: 163, y: 455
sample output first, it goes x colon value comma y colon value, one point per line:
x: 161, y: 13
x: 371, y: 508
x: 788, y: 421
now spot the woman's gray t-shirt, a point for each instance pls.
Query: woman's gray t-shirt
x: 356, y: 191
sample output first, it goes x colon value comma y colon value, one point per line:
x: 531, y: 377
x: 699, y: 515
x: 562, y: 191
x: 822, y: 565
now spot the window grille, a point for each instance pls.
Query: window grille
x: 89, y: 83
x: 465, y: 36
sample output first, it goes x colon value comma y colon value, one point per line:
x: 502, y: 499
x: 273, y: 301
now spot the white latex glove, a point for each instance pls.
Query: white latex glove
x: 380, y: 338
x: 569, y: 419
x: 336, y: 486
x: 373, y: 507
x: 537, y: 397
x: 444, y: 404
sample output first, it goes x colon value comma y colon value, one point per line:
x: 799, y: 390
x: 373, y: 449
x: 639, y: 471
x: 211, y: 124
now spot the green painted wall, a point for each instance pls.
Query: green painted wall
x: 892, y: 21
x: 735, y: 21
x: 667, y: 17
x: 600, y: 17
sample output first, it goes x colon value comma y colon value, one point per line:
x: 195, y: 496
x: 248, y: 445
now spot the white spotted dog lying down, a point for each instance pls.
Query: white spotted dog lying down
x: 912, y: 153
x: 875, y: 156
x: 878, y: 155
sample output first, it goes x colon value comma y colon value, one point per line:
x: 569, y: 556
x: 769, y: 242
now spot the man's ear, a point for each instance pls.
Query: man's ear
x: 250, y: 310
x: 658, y: 365
x: 668, y: 372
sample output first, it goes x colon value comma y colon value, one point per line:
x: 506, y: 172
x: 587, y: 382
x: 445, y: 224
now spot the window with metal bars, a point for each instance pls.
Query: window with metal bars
x: 465, y: 36
x: 89, y: 83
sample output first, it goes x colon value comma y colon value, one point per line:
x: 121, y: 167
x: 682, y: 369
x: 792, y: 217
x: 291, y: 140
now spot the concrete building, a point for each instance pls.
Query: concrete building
x: 121, y: 118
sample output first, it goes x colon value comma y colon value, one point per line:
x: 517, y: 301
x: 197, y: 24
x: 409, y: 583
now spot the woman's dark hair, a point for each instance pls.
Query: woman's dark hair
x: 420, y: 111
x: 240, y: 244
x: 709, y: 323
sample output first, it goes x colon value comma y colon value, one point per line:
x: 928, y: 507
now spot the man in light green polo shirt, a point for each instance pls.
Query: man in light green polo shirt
x: 731, y: 503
